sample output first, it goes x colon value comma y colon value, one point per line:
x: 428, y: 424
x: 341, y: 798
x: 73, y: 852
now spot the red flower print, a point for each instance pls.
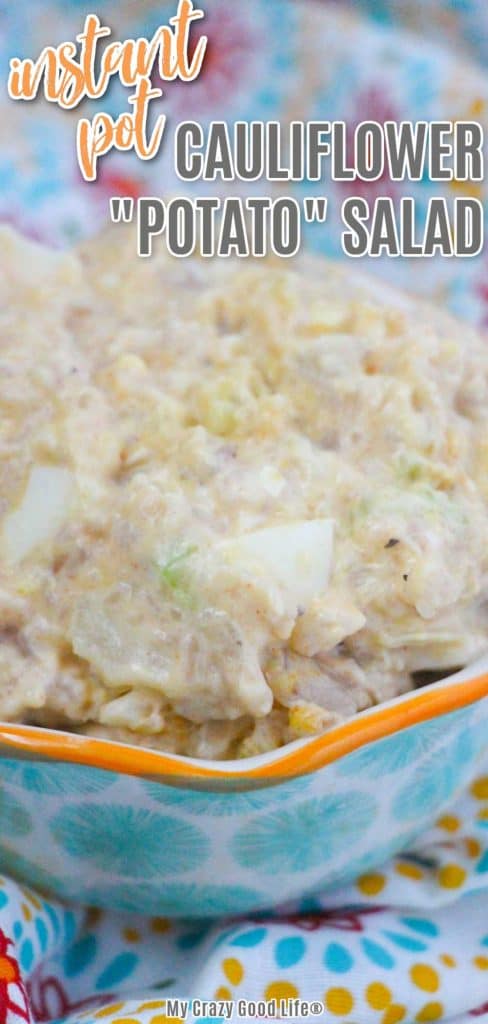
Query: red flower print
x: 371, y: 105
x: 229, y: 65
x: 348, y: 920
x: 50, y: 1001
x: 482, y: 291
x: 13, y: 996
x: 113, y: 183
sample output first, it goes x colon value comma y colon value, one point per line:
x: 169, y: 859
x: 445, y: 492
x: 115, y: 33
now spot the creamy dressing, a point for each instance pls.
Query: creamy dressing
x: 239, y: 501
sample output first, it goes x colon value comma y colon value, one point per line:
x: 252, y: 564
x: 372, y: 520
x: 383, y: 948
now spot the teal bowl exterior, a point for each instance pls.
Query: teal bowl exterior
x: 128, y: 843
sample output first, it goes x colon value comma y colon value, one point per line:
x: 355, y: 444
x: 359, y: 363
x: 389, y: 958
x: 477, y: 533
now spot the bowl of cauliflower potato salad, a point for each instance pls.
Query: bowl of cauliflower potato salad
x: 243, y: 519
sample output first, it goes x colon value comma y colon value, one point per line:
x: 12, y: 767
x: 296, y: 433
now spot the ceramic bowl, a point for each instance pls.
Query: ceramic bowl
x: 130, y: 829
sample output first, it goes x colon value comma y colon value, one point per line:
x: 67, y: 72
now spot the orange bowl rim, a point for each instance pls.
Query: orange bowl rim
x: 291, y: 761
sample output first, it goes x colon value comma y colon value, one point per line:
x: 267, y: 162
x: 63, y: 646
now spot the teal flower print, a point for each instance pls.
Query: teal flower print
x: 223, y: 804
x: 213, y: 900
x: 338, y: 959
x: 289, y: 951
x: 428, y: 789
x: 374, y: 858
x: 28, y: 871
x: 14, y: 819
x: 129, y: 841
x: 377, y: 954
x: 55, y: 779
x: 385, y: 757
x: 479, y: 729
x: 178, y: 900
x: 304, y: 837
x: 117, y: 971
x: 80, y: 955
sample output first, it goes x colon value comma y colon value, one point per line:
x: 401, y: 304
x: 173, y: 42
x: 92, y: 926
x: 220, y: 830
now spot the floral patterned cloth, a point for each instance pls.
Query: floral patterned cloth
x: 268, y: 60
x: 408, y: 942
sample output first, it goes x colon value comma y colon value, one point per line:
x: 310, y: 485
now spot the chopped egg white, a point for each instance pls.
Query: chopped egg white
x: 43, y: 509
x: 240, y: 501
x: 296, y: 557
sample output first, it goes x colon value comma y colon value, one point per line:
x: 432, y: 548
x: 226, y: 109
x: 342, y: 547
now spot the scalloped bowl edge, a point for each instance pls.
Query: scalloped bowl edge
x: 295, y: 759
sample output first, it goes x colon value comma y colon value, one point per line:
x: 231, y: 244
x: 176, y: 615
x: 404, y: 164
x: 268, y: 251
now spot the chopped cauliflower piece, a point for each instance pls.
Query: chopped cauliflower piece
x: 239, y: 501
x: 326, y: 622
x: 141, y: 706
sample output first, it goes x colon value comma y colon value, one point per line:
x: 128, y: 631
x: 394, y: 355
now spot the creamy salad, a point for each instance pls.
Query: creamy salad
x: 239, y: 501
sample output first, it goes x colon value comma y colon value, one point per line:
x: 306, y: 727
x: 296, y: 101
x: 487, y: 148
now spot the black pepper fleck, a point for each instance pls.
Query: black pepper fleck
x: 405, y: 577
x: 392, y: 543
